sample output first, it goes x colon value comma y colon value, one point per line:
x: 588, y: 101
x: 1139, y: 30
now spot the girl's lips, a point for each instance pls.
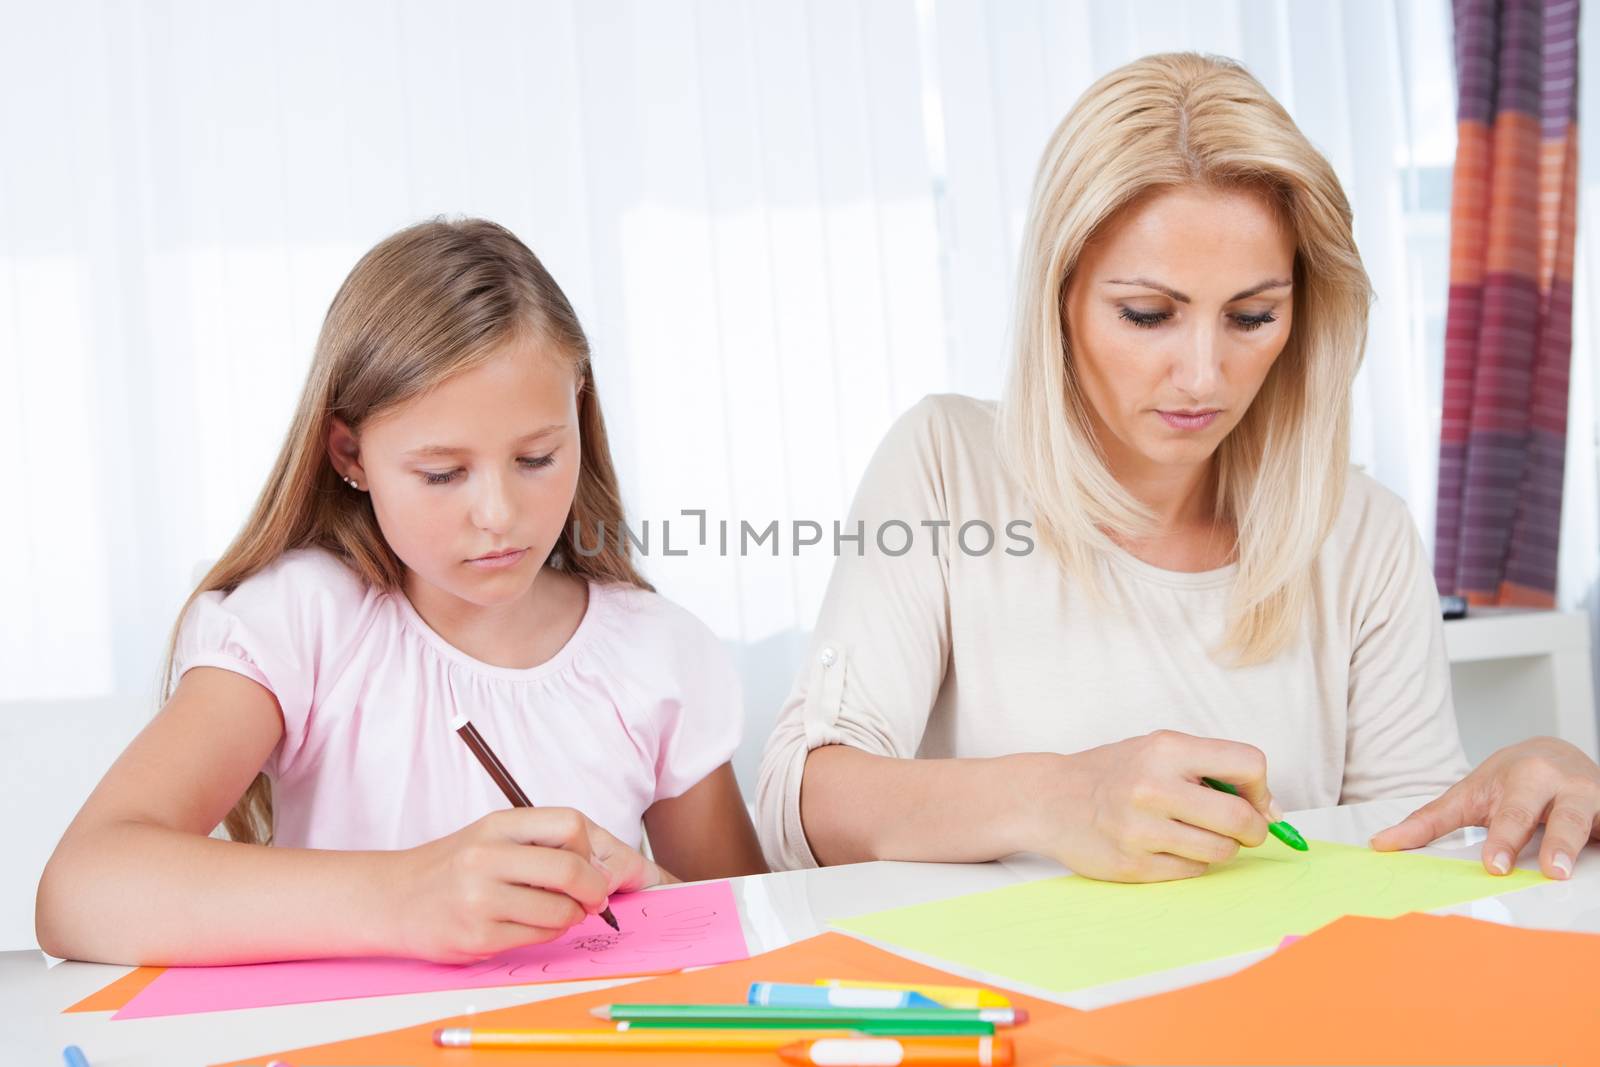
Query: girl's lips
x: 503, y: 559
x: 1185, y: 420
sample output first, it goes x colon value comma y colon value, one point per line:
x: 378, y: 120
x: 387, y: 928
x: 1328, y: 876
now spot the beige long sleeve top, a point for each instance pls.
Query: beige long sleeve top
x: 967, y: 653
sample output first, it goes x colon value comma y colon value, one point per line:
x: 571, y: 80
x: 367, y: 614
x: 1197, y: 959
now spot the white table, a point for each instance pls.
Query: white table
x: 776, y: 909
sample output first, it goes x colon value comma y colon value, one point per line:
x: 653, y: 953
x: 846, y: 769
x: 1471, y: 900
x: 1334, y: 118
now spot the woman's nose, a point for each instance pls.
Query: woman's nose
x: 1198, y: 366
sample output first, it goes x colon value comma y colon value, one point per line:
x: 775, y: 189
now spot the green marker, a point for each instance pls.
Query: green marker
x: 717, y: 1016
x: 894, y: 1028
x: 1281, y: 830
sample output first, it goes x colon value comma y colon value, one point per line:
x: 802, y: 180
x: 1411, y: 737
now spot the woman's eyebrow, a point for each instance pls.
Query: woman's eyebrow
x: 1270, y: 283
x: 455, y: 450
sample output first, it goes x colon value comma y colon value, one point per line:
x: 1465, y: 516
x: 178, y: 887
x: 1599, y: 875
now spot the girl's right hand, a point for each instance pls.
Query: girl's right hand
x: 1136, y: 810
x: 516, y: 877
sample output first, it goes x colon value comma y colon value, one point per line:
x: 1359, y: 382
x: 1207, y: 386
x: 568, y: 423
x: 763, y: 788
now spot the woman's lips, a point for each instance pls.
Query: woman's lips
x: 1189, y: 420
x: 499, y: 560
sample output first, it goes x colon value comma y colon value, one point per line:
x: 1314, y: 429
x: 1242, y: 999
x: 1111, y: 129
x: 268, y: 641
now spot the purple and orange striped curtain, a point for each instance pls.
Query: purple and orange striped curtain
x: 1508, y: 334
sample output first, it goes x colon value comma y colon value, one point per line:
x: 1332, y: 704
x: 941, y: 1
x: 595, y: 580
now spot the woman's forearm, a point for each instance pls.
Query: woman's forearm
x: 138, y: 893
x: 857, y: 806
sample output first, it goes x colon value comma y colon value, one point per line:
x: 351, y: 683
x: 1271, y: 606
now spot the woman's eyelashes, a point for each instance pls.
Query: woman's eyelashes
x: 1149, y: 320
x: 1254, y: 322
x: 527, y: 463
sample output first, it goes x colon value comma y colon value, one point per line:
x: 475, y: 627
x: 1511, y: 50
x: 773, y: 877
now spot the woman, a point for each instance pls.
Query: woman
x: 1212, y: 592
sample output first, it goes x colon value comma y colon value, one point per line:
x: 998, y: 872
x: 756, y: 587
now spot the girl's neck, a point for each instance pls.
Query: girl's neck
x: 520, y: 634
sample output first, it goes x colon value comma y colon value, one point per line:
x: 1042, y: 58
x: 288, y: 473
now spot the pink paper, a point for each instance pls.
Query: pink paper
x: 1288, y: 940
x: 662, y: 930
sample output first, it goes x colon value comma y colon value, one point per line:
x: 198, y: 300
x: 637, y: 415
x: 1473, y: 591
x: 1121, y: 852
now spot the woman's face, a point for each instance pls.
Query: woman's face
x: 1175, y: 314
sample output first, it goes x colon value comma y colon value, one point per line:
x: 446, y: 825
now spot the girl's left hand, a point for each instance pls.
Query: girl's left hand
x: 628, y: 867
x: 1540, y: 780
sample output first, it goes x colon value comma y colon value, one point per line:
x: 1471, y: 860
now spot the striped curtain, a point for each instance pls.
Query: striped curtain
x: 1508, y: 338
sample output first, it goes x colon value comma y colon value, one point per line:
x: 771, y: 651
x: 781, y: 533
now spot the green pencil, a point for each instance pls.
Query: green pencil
x: 1281, y: 830
x: 748, y: 1015
x: 897, y: 1028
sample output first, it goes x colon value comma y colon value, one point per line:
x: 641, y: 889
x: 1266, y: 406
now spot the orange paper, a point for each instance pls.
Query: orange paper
x: 1420, y: 989
x: 825, y: 956
x: 115, y: 996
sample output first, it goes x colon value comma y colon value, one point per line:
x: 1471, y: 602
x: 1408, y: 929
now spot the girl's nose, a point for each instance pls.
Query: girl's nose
x: 492, y: 507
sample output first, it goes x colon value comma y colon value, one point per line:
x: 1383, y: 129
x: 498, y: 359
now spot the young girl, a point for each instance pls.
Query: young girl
x: 425, y: 548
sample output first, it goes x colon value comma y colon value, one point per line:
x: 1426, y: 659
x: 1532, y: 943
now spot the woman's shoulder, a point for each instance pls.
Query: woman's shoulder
x: 1371, y: 509
x: 942, y: 434
x: 1374, y: 532
x: 939, y: 459
x: 948, y: 418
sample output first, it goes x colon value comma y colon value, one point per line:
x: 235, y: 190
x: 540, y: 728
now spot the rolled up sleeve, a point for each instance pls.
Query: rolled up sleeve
x: 878, y: 653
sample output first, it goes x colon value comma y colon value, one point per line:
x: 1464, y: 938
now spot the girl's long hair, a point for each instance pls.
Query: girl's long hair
x: 1170, y: 121
x: 428, y: 302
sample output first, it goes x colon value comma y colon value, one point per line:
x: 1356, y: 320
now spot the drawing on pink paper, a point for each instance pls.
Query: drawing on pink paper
x: 662, y: 930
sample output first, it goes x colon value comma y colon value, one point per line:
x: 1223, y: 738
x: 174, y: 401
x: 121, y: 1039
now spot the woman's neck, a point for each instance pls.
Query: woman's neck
x: 1188, y: 534
x: 1178, y: 497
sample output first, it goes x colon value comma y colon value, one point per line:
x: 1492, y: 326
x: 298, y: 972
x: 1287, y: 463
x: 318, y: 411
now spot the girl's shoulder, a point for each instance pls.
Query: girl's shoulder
x: 679, y: 688
x: 658, y: 654
x: 641, y: 620
x: 299, y: 609
x: 303, y: 582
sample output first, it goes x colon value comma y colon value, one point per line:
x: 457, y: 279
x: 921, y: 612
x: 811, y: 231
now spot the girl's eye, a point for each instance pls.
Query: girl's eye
x: 1254, y: 322
x: 525, y: 462
x: 1147, y: 320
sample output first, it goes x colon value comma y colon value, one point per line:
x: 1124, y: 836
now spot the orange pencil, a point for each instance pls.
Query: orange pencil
x: 901, y: 1051
x: 622, y: 1039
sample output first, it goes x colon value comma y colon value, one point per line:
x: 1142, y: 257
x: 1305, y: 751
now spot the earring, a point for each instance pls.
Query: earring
x: 351, y: 482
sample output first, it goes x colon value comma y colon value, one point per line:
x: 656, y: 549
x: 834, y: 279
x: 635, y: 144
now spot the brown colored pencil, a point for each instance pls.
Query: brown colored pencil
x: 502, y: 778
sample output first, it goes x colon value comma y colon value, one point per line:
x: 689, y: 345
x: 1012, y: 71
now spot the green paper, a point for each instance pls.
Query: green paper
x: 1069, y: 933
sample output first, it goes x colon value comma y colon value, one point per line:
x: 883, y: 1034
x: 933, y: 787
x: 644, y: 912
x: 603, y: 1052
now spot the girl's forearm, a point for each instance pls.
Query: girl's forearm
x: 138, y: 893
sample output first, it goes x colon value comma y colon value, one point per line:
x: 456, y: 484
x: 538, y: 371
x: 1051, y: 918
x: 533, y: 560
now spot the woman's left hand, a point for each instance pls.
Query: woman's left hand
x: 1540, y: 780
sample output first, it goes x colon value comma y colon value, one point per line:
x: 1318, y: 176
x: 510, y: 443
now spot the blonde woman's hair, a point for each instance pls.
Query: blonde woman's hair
x: 426, y: 303
x: 1165, y: 122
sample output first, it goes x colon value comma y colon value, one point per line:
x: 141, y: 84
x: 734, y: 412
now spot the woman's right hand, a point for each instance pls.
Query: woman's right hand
x: 1136, y: 811
x: 515, y: 877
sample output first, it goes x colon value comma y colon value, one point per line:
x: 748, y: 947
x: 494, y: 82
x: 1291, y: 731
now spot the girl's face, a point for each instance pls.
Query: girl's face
x: 1176, y: 312
x: 472, y: 482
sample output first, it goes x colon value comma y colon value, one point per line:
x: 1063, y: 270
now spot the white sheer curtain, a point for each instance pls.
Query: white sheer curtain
x: 782, y: 224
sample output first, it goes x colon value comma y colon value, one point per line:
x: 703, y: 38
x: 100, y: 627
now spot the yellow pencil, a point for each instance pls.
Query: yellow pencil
x: 951, y: 996
x: 622, y: 1039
